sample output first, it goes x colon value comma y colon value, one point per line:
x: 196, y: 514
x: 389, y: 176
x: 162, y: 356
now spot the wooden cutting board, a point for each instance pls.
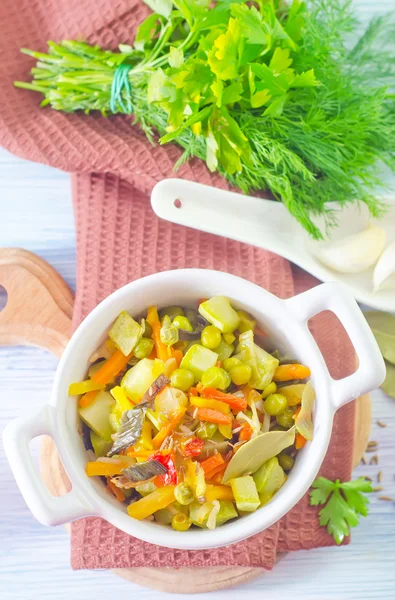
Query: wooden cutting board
x: 38, y: 313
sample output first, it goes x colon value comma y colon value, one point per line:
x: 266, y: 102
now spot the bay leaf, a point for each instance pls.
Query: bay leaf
x: 251, y: 456
x: 389, y: 384
x: 383, y: 327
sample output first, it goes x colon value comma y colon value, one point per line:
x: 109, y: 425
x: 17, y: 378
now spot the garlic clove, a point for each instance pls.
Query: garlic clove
x: 384, y: 271
x: 354, y: 253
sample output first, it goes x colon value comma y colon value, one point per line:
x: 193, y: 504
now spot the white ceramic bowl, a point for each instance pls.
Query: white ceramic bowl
x: 286, y: 323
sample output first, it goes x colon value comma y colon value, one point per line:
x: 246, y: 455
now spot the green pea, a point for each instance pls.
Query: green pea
x: 240, y: 374
x: 171, y: 311
x: 286, y: 461
x: 183, y: 493
x: 182, y: 323
x: 182, y: 379
x: 181, y: 522
x: 211, y: 337
x: 285, y: 419
x: 269, y: 389
x: 217, y: 378
x: 143, y: 348
x: 231, y: 362
x: 275, y: 404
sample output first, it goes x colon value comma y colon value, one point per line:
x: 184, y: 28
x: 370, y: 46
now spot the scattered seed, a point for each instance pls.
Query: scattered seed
x: 380, y: 476
x: 368, y: 478
x: 381, y: 424
x: 374, y: 460
x: 379, y: 488
x: 371, y: 447
x: 386, y: 498
x: 363, y: 460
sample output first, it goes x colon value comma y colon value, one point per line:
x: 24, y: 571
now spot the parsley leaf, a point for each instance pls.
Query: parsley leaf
x: 344, y: 503
x: 162, y: 7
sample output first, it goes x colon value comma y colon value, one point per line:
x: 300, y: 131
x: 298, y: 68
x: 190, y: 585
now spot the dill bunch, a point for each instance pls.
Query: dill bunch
x: 280, y: 97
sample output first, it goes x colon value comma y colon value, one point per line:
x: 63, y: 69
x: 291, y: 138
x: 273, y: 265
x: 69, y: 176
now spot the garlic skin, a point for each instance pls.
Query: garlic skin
x: 354, y: 253
x: 384, y: 271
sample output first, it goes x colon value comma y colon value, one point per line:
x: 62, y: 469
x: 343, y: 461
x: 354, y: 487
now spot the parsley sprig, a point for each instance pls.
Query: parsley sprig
x: 344, y: 504
x: 269, y: 93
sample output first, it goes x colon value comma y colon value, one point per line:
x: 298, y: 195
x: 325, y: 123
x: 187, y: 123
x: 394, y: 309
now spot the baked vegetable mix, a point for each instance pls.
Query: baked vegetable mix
x: 192, y: 421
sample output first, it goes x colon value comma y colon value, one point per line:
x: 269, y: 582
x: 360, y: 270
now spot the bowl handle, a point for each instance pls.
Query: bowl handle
x: 48, y: 509
x: 371, y: 368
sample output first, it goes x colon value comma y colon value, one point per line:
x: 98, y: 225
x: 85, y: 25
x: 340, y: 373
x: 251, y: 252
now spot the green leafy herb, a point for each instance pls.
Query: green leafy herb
x: 267, y: 93
x: 344, y: 504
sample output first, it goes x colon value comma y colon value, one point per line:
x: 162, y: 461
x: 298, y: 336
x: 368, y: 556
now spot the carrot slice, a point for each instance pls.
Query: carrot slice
x: 163, y: 352
x: 111, y: 368
x: 213, y: 416
x: 217, y: 470
x: 212, y: 462
x: 166, y: 430
x: 288, y: 372
x: 118, y: 493
x: 300, y: 441
x: 178, y: 355
x: 245, y: 433
x: 87, y: 398
x: 236, y: 404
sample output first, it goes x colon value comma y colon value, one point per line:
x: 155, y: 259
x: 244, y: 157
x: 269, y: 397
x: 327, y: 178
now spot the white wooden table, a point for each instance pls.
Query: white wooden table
x: 36, y: 214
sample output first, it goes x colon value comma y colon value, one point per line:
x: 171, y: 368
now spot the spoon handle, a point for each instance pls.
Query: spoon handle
x: 257, y: 221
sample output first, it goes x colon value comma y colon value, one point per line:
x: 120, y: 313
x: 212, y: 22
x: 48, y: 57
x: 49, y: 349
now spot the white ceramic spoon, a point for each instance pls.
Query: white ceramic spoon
x: 269, y: 225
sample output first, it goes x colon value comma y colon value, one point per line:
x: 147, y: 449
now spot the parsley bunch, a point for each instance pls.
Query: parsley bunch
x: 266, y: 92
x: 344, y: 503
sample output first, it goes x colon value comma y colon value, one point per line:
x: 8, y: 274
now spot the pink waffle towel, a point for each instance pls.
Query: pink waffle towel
x: 119, y: 239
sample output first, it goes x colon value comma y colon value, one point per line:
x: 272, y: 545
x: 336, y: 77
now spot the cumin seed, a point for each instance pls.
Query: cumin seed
x: 381, y: 424
x: 386, y: 498
x: 374, y: 460
x: 363, y: 460
x: 380, y: 476
x: 378, y: 488
x: 368, y: 478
